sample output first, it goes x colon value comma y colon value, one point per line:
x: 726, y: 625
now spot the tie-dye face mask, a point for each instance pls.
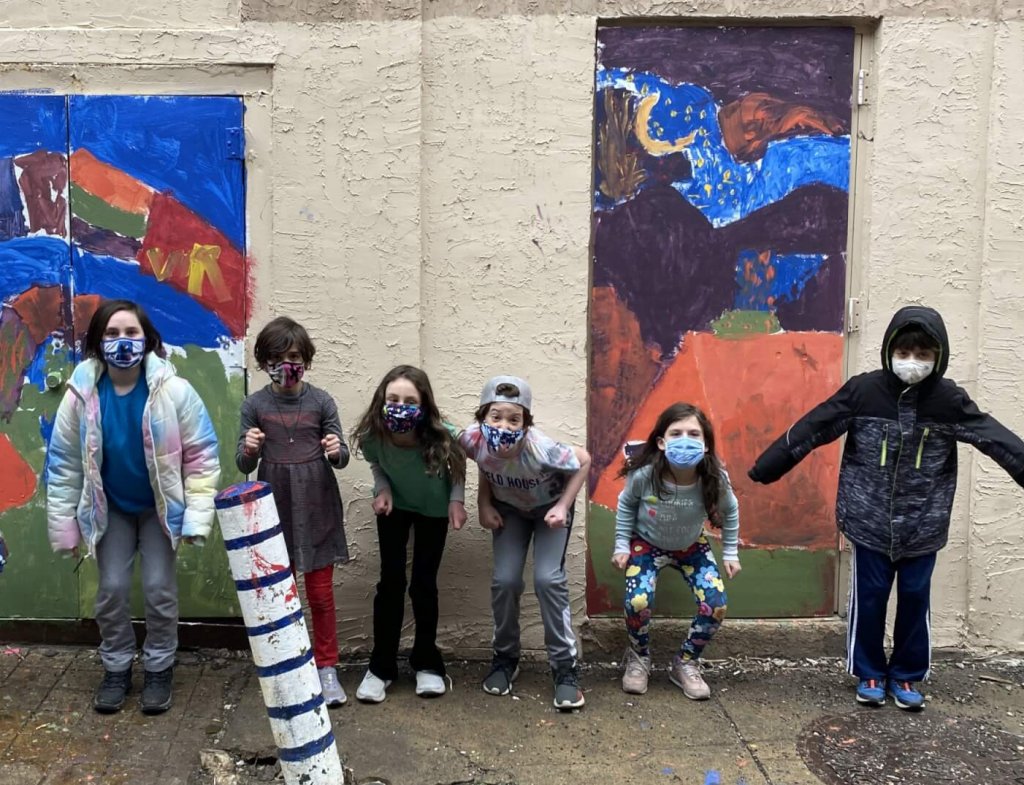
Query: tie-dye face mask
x: 499, y: 438
x: 286, y: 374
x: 402, y: 417
x: 124, y: 352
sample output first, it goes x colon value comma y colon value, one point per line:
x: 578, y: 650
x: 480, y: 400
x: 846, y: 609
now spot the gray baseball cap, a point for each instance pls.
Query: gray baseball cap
x: 490, y: 393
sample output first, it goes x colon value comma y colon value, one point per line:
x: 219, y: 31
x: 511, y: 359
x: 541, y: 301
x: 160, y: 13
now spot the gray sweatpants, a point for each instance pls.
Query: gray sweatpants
x: 125, y: 536
x: 511, y: 543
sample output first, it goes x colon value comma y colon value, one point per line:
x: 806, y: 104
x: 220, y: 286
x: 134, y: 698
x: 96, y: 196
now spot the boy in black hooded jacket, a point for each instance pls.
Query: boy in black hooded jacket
x: 896, y: 487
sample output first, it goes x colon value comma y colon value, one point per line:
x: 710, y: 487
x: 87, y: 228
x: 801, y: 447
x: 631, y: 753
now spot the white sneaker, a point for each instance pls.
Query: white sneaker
x: 371, y: 689
x: 429, y: 684
x: 334, y: 693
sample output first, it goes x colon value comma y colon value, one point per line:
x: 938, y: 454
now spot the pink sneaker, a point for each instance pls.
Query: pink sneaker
x: 685, y: 674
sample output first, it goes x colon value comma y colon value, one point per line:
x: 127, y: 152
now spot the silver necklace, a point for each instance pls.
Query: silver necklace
x: 295, y: 423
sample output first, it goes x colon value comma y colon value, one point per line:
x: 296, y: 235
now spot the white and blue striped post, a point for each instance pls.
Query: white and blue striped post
x: 280, y: 644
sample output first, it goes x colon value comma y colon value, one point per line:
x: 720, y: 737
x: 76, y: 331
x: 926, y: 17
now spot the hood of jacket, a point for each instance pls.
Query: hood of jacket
x: 929, y: 320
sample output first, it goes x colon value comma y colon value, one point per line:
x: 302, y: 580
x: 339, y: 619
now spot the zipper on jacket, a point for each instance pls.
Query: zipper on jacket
x: 885, y: 444
x: 920, y: 449
x: 895, y: 472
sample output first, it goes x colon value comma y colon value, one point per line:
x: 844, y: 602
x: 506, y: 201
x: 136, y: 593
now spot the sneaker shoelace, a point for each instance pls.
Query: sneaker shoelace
x: 567, y: 676
x: 504, y: 665
x: 635, y: 666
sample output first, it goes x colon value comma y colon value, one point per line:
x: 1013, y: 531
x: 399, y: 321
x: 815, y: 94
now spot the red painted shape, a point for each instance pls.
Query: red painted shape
x: 598, y: 599
x: 753, y: 389
x: 750, y: 123
x: 17, y: 480
x: 44, y: 179
x: 194, y: 257
x: 40, y: 310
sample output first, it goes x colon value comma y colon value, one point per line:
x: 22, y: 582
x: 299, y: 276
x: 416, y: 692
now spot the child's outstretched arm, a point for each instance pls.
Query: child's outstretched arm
x: 332, y: 439
x: 825, y: 423
x: 200, y: 467
x: 990, y: 436
x: 250, y: 440
x: 625, y: 519
x: 490, y: 518
x: 559, y: 512
x: 729, y: 509
x: 65, y: 477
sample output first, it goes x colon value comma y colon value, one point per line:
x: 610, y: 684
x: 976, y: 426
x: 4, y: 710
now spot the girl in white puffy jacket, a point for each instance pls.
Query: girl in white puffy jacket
x: 132, y: 469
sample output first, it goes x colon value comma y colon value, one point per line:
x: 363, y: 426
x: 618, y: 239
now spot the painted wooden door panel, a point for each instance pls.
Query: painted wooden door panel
x: 35, y: 275
x: 154, y: 203
x: 721, y: 188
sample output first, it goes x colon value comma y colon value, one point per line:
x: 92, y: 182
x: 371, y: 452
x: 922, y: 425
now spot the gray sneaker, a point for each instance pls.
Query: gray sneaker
x: 504, y: 671
x: 568, y: 694
x: 636, y: 674
x: 334, y: 693
x: 686, y: 676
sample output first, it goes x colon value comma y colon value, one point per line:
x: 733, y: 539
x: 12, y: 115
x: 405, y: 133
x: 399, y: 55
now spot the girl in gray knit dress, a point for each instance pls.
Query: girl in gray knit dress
x: 291, y: 430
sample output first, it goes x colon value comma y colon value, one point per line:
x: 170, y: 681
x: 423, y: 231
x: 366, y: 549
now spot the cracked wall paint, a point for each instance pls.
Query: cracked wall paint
x: 427, y: 200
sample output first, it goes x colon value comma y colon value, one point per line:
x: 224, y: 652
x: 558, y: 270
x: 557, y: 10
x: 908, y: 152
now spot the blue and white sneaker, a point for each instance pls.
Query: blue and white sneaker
x: 905, y: 696
x: 870, y: 692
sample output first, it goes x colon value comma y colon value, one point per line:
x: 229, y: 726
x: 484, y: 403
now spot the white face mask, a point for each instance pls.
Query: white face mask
x: 912, y: 371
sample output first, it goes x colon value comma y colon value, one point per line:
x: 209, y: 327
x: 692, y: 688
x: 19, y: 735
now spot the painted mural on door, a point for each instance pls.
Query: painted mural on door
x: 721, y: 180
x: 103, y: 197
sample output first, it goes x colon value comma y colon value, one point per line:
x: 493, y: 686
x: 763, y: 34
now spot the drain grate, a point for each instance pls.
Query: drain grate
x: 887, y: 747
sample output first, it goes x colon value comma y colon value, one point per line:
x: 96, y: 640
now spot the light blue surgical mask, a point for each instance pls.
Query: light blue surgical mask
x: 684, y: 452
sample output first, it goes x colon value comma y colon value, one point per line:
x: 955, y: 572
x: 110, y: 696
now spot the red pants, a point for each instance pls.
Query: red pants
x: 320, y: 596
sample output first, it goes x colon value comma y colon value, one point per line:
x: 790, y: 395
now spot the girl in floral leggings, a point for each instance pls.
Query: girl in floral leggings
x: 674, y: 482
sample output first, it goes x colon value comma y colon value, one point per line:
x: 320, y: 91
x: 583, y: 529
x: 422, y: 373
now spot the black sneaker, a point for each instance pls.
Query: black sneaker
x: 568, y: 694
x: 504, y: 671
x: 113, y: 690
x: 156, y: 691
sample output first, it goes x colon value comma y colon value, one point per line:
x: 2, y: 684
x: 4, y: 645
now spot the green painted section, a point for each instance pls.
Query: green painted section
x: 39, y: 584
x: 35, y: 583
x: 205, y: 586
x: 776, y: 583
x: 97, y: 212
x: 740, y: 324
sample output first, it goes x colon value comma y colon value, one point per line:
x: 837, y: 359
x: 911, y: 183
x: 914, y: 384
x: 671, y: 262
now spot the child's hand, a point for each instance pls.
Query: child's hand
x: 620, y: 560
x: 382, y: 502
x: 332, y: 446
x: 732, y: 568
x: 254, y: 439
x: 490, y: 518
x: 555, y: 519
x: 456, y: 515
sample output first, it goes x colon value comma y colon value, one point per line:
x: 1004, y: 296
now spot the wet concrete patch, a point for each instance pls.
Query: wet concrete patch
x: 898, y: 748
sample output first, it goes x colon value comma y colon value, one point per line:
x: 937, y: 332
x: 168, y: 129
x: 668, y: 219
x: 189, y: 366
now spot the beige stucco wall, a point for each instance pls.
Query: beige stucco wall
x: 419, y: 192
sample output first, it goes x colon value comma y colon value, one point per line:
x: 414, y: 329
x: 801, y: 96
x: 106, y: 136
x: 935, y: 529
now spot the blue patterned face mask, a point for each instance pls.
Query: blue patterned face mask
x: 402, y: 417
x: 124, y: 352
x: 684, y: 452
x: 499, y: 438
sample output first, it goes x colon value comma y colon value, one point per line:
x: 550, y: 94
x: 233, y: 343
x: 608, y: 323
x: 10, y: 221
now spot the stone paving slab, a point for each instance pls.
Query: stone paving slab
x: 756, y: 729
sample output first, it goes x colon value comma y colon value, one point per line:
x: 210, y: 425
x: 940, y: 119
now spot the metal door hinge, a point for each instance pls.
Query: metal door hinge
x: 862, y: 77
x: 853, y: 315
x: 236, y: 144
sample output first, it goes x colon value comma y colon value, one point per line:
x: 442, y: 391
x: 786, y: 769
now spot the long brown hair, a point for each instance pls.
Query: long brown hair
x: 98, y: 324
x: 441, y: 452
x: 709, y: 470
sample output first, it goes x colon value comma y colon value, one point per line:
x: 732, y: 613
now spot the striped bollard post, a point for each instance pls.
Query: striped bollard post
x: 280, y: 644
